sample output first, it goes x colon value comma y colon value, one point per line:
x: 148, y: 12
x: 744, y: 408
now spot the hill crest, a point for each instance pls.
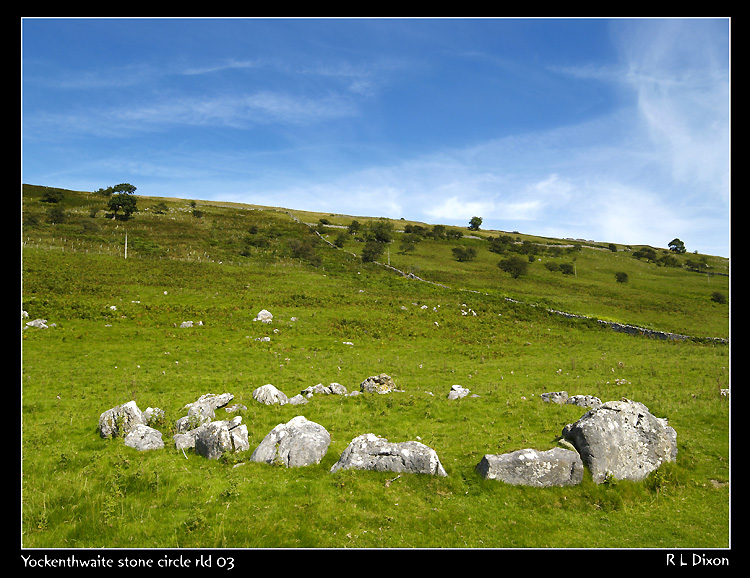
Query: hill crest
x: 574, y: 276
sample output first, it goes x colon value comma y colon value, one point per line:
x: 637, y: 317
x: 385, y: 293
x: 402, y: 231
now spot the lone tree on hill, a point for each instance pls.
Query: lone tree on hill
x: 677, y: 246
x: 475, y: 223
x: 122, y: 199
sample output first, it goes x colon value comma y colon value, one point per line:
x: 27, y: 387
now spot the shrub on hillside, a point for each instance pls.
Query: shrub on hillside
x: 463, y: 254
x: 718, y: 297
x: 515, y: 265
x: 303, y: 249
x: 567, y: 268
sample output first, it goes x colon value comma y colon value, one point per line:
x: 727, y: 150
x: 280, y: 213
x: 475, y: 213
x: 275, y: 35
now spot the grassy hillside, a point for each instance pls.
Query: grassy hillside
x: 665, y: 298
x: 118, y: 337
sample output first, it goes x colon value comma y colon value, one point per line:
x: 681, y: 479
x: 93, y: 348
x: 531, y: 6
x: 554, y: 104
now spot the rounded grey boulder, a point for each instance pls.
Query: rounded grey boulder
x: 299, y: 442
x: 622, y: 439
x: 370, y: 452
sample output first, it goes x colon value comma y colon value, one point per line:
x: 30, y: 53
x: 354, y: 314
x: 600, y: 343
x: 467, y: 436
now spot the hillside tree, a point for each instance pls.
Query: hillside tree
x: 380, y: 231
x: 372, y: 251
x: 123, y: 199
x: 354, y: 227
x: 475, y: 223
x: 677, y: 246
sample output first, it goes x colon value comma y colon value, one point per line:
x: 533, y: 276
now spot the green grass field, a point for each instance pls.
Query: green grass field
x: 118, y: 337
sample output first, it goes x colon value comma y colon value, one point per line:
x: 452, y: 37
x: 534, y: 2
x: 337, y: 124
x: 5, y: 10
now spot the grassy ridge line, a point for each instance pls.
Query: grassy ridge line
x: 667, y: 299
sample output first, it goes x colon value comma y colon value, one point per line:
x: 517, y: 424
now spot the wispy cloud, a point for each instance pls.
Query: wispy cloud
x: 293, y: 95
x: 230, y: 64
x: 260, y: 108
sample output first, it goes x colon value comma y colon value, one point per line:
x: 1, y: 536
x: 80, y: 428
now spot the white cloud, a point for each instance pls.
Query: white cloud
x: 455, y: 208
x: 628, y: 215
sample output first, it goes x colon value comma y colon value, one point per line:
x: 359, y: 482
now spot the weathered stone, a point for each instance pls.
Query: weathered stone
x: 370, y: 452
x: 457, y: 392
x: 235, y: 407
x: 202, y: 410
x: 382, y: 383
x: 152, y: 414
x: 183, y: 441
x: 269, y: 395
x: 298, y: 399
x: 120, y: 420
x: 313, y: 389
x: 143, y: 438
x: 331, y: 389
x: 209, y: 402
x: 219, y: 437
x: 555, y: 397
x: 562, y: 398
x: 528, y: 467
x: 622, y: 439
x: 584, y: 401
x: 299, y: 442
x: 264, y: 316
x: 337, y: 389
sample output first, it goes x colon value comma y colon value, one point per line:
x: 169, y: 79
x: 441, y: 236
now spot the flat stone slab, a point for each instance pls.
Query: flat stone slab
x: 528, y: 467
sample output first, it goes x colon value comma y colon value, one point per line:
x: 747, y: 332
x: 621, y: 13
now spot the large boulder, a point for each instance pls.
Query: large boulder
x: 622, y: 439
x: 120, y: 420
x: 270, y: 395
x: 382, y: 383
x: 219, y: 437
x: 143, y: 438
x: 555, y: 467
x: 370, y: 452
x: 299, y: 442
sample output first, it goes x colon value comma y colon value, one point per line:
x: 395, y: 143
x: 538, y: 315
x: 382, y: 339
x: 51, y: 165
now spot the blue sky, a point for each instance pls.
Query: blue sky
x: 612, y: 130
